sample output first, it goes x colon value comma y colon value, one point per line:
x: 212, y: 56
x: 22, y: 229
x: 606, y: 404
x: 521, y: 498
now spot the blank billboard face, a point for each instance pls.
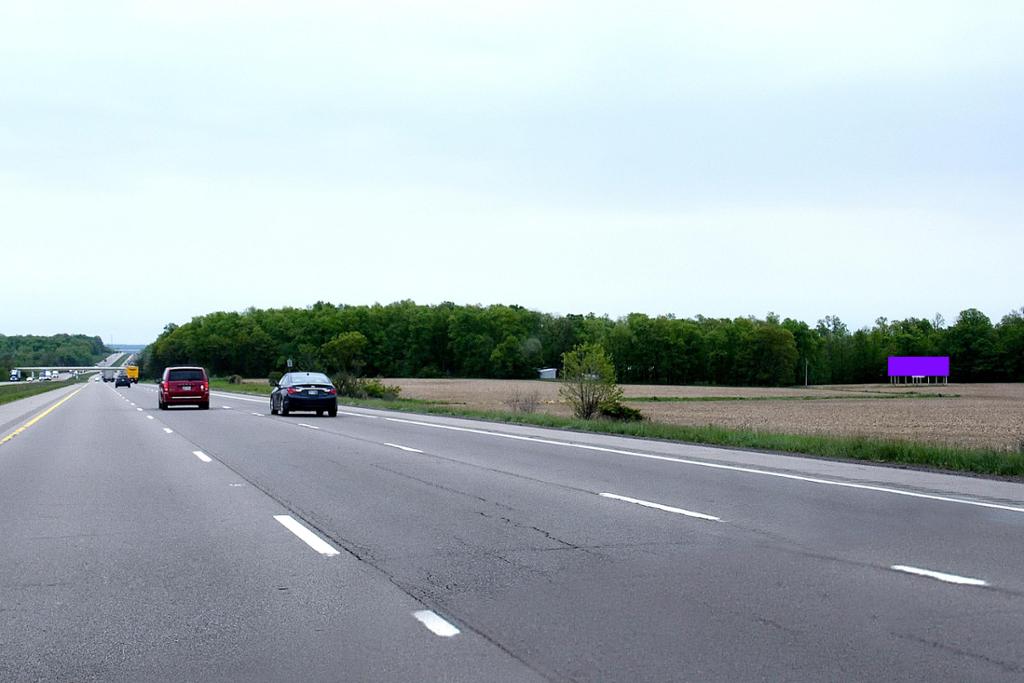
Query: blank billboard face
x: 919, y: 366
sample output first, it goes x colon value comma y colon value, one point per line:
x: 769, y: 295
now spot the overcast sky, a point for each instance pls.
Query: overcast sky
x: 160, y: 160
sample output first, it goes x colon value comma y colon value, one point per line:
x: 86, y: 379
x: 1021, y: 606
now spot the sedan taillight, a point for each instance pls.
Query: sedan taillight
x: 292, y: 390
x: 332, y: 391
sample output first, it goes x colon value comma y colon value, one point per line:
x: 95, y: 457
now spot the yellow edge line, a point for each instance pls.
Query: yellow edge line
x: 39, y: 417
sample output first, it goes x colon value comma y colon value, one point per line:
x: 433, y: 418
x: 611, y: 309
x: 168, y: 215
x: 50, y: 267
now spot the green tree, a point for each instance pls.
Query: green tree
x: 972, y: 344
x: 344, y: 353
x: 588, y: 380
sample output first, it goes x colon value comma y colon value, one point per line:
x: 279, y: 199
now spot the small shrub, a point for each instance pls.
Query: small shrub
x: 588, y: 380
x: 616, y: 411
x: 374, y: 388
x: 520, y: 402
x: 235, y: 379
x: 359, y: 387
x: 274, y: 377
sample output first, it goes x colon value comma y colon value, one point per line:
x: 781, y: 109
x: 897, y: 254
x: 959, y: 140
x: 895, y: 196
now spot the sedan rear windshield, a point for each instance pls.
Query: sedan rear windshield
x: 310, y: 378
x: 185, y: 375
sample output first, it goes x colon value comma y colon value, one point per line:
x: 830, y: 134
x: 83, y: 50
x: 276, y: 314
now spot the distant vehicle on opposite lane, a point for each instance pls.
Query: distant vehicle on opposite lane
x: 311, y: 391
x: 184, y: 386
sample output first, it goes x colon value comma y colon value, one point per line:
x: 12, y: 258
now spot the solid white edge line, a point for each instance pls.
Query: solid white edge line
x: 303, y: 424
x: 940, y: 576
x: 308, y: 537
x: 168, y: 430
x: 436, y: 625
x: 202, y: 456
x: 403, y: 448
x: 659, y: 506
x: 720, y: 466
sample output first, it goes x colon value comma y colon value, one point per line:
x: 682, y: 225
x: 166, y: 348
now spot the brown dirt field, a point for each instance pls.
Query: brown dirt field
x: 990, y: 415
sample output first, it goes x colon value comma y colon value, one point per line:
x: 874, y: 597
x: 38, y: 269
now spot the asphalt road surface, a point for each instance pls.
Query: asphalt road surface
x: 229, y: 544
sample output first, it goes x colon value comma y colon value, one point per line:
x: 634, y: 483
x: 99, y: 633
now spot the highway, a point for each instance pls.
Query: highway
x: 229, y: 544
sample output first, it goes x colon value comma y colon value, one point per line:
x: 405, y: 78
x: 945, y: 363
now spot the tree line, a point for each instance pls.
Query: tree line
x: 405, y: 339
x: 59, y: 349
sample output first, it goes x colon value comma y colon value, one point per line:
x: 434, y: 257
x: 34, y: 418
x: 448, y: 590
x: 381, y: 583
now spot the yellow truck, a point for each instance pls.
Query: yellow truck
x: 133, y: 373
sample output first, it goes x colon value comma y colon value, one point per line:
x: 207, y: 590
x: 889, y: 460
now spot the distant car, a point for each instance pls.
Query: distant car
x: 122, y: 381
x: 184, y: 386
x: 311, y: 391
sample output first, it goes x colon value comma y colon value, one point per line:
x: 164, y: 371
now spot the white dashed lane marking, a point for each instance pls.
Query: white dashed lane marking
x: 308, y: 537
x: 939, y: 576
x: 659, y: 506
x: 436, y: 624
x: 403, y: 448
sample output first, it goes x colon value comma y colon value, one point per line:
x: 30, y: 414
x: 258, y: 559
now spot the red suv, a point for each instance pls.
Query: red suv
x: 184, y: 386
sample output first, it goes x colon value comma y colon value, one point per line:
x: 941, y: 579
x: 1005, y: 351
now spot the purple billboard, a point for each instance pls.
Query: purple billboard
x: 919, y: 366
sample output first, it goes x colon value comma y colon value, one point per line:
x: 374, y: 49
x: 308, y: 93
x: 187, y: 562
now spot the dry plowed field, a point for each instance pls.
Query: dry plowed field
x: 965, y: 414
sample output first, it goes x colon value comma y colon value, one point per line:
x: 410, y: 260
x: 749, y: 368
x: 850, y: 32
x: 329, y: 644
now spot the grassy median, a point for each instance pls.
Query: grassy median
x: 896, y: 451
x: 13, y: 392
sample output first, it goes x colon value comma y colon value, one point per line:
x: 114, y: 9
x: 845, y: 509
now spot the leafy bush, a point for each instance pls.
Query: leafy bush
x: 235, y: 379
x: 274, y: 377
x: 613, y: 410
x: 588, y: 380
x: 374, y: 388
x: 360, y: 387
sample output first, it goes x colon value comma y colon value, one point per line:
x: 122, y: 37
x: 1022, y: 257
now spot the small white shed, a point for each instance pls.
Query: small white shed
x: 547, y: 373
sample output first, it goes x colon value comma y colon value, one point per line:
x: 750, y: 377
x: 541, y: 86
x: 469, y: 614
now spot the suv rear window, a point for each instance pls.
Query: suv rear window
x: 185, y: 375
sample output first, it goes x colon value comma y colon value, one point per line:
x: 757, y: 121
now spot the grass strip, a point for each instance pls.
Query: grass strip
x: 258, y: 389
x: 689, y: 399
x: 14, y: 392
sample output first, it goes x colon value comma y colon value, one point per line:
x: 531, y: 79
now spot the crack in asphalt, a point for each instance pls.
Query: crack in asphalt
x: 1009, y: 667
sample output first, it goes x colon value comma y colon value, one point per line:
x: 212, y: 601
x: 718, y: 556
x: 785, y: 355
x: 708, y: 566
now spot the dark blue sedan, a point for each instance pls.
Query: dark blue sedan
x: 310, y: 391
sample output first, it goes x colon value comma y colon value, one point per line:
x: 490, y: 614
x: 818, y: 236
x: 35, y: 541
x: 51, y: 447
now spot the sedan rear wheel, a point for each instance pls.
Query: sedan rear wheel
x: 284, y: 407
x: 273, y: 410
